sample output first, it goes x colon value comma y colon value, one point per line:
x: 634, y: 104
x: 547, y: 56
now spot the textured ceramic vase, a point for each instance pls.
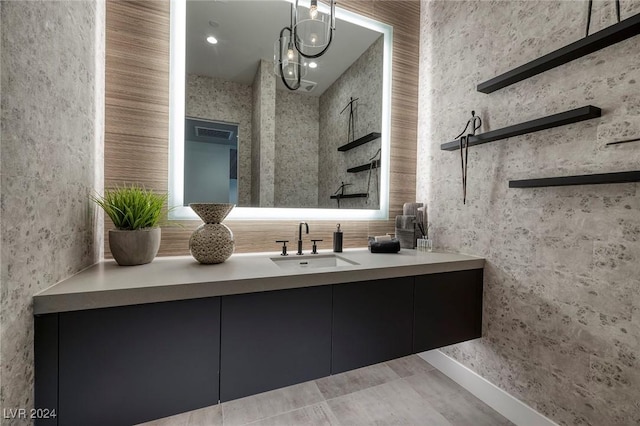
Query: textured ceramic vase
x: 212, y: 242
x: 137, y: 247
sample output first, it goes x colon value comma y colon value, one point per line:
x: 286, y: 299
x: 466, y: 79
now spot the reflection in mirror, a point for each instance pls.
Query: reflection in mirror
x: 211, y: 151
x: 286, y: 142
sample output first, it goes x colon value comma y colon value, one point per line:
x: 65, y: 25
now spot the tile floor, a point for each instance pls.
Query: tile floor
x: 405, y: 391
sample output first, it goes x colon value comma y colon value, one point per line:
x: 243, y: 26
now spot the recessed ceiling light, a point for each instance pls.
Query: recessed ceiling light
x: 212, y: 40
x: 313, y: 65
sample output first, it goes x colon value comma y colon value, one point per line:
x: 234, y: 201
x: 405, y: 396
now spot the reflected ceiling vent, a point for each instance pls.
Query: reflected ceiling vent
x: 307, y: 85
x: 209, y: 132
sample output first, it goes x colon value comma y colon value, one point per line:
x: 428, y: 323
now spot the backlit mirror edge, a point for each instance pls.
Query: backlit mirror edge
x: 176, y: 132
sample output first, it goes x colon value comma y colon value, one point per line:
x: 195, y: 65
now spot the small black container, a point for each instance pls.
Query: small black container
x: 337, y: 240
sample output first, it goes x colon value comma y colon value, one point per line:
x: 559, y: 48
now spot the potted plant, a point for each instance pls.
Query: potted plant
x: 135, y: 212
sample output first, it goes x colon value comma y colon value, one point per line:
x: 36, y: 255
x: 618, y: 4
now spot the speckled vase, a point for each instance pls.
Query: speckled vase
x: 213, y: 241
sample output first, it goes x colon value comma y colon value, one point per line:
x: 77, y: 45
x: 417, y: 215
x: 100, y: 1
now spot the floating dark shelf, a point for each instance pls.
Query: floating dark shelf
x: 364, y: 167
x: 335, y: 197
x: 360, y: 141
x: 597, y: 179
x: 606, y: 37
x: 555, y: 120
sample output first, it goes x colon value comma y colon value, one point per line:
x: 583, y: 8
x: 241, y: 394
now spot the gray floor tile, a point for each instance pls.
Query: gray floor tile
x: 393, y: 403
x: 313, y: 415
x: 374, y: 395
x: 177, y: 420
x: 269, y: 404
x: 208, y: 416
x: 409, y: 365
x: 355, y: 380
x: 434, y: 384
x: 455, y: 403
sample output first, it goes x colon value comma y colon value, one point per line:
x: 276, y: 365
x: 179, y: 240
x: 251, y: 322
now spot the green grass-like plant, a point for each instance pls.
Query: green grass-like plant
x: 132, y: 207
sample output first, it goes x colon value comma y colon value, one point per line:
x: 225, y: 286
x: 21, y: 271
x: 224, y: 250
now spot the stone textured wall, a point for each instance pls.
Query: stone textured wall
x: 562, y: 279
x: 362, y: 80
x: 52, y: 117
x: 263, y: 137
x: 296, y: 156
x: 255, y: 140
x: 219, y: 100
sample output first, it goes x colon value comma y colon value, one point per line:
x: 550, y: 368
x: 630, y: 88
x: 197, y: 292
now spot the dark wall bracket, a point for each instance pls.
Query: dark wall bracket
x: 364, y: 167
x: 360, y: 141
x: 568, y: 117
x: 340, y: 197
x: 599, y: 40
x: 595, y: 179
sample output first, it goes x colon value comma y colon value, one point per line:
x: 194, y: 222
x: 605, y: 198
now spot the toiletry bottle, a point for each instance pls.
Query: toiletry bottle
x: 337, y: 240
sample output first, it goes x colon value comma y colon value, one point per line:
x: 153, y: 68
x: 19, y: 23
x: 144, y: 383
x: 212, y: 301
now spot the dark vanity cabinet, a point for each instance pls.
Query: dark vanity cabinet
x: 131, y: 364
x: 372, y: 322
x: 274, y: 339
x: 447, y: 309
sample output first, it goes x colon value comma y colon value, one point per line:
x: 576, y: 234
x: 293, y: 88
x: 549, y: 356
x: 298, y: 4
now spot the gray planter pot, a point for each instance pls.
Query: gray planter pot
x: 137, y: 247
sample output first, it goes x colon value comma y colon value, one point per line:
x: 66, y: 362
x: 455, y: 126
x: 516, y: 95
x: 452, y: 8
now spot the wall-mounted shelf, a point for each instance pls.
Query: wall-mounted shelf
x: 336, y: 197
x: 364, y: 167
x: 573, y: 116
x: 599, y: 40
x: 597, y: 179
x: 360, y: 141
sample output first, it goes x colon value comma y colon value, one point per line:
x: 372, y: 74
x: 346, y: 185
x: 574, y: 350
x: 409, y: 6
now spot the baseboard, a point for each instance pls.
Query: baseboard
x: 510, y: 407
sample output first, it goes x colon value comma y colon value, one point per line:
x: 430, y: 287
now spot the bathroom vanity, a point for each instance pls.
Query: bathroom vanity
x: 117, y: 345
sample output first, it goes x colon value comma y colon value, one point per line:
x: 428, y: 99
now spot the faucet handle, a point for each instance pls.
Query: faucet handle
x: 284, y: 247
x: 315, y: 247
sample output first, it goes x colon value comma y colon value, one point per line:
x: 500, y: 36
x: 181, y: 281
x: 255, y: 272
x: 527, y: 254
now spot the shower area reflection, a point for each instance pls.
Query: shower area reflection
x: 211, y: 156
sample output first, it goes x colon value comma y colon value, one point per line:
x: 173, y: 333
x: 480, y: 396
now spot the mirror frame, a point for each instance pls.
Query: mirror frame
x: 177, y: 75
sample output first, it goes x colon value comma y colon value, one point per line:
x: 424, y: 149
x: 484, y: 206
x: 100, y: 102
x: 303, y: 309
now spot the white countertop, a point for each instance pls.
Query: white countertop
x: 176, y: 278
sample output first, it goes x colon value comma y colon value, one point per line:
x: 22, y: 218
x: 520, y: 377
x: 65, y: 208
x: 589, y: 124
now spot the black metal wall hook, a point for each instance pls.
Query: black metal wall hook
x: 351, y: 132
x: 376, y: 158
x: 590, y: 9
x: 623, y: 141
x: 340, y: 192
x: 475, y: 122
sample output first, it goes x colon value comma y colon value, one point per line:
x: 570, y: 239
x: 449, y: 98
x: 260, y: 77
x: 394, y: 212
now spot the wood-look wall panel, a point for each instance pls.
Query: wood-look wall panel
x: 137, y: 86
x: 133, y: 166
x: 149, y: 13
x: 151, y: 41
x: 402, y: 169
x: 137, y: 103
x: 402, y: 153
x: 137, y: 95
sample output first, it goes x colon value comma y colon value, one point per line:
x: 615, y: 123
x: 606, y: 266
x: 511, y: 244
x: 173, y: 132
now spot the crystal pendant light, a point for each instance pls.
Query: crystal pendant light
x: 313, y: 29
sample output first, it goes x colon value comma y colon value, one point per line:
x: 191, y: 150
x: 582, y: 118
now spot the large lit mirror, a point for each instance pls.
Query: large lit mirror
x: 238, y: 135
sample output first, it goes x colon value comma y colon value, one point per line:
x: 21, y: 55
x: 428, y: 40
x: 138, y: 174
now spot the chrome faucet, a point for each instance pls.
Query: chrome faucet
x: 300, y: 236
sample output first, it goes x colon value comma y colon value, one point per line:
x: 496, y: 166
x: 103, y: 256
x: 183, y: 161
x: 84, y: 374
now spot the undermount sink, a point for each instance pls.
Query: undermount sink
x: 312, y: 261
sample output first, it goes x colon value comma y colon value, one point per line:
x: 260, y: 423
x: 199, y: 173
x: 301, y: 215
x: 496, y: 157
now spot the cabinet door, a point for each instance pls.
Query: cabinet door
x: 372, y: 322
x: 274, y: 339
x: 448, y: 309
x: 45, y: 348
x: 131, y: 364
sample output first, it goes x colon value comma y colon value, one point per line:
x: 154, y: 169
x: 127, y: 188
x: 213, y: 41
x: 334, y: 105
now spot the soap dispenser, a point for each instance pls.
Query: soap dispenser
x: 337, y: 240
